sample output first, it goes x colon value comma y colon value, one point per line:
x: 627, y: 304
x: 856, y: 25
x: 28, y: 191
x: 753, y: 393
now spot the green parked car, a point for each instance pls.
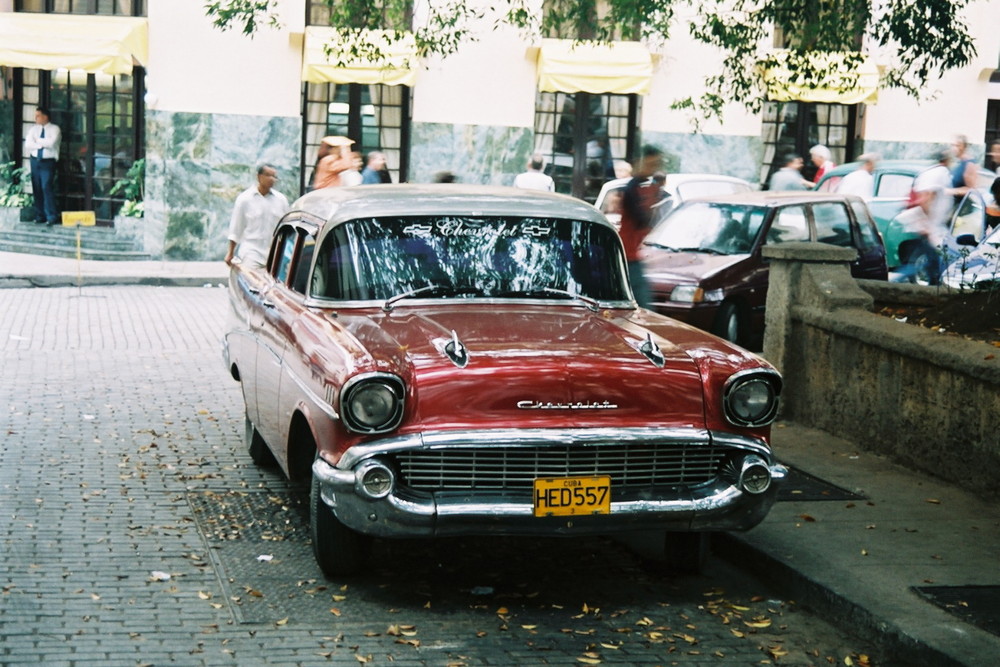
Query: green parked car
x: 893, y: 183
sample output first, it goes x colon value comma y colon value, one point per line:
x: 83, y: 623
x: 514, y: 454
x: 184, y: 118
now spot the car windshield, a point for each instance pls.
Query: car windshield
x: 723, y: 229
x: 469, y: 256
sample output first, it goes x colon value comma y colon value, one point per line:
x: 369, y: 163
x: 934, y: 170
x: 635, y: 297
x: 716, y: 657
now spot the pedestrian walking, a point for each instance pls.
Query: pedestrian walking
x: 638, y: 198
x: 789, y: 177
x: 42, y: 146
x: 375, y: 172
x: 534, y: 178
x: 335, y: 157
x: 821, y: 157
x: 255, y: 215
x: 861, y: 181
x: 928, y: 218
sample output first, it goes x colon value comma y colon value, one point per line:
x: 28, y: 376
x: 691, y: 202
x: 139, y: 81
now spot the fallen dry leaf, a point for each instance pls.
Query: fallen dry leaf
x: 283, y: 621
x: 933, y: 501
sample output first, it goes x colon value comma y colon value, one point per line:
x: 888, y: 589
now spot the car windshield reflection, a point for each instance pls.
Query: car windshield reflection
x: 390, y: 259
x: 723, y: 229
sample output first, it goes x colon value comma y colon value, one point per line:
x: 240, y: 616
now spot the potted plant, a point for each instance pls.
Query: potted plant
x: 15, y: 204
x: 130, y: 188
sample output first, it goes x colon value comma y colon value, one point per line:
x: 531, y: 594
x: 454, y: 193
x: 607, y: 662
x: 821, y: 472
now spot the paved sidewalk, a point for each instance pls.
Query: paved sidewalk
x: 22, y: 270
x: 855, y: 561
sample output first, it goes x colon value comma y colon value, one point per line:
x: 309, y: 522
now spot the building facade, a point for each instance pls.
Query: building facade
x: 203, y: 107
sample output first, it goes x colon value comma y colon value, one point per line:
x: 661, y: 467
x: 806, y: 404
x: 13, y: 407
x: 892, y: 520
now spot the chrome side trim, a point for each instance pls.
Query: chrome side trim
x: 315, y: 398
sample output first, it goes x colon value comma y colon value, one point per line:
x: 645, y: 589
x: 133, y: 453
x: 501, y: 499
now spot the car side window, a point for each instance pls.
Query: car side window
x: 283, y: 252
x: 833, y: 224
x: 867, y: 230
x: 894, y: 185
x: 301, y: 278
x: 789, y: 225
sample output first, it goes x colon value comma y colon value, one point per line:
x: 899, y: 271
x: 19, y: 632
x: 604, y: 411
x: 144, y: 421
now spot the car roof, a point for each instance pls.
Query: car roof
x: 334, y: 205
x: 673, y: 180
x: 771, y: 199
x: 905, y: 166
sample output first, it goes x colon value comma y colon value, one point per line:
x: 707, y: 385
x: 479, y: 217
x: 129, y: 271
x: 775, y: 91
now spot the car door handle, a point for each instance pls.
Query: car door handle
x: 253, y: 290
x: 267, y: 304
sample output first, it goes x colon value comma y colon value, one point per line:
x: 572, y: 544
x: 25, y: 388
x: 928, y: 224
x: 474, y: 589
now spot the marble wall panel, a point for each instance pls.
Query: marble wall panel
x: 474, y: 153
x: 197, y: 164
x: 692, y: 153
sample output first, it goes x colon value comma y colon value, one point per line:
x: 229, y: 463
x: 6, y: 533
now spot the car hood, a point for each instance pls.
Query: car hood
x: 665, y: 267
x: 533, y: 366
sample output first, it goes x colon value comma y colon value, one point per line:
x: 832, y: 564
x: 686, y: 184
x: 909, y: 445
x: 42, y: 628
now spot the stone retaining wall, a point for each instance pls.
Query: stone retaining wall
x: 925, y: 399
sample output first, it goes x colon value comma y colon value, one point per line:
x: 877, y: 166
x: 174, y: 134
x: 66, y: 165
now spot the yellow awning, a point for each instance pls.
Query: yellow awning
x: 836, y: 87
x: 398, y: 68
x: 566, y: 66
x: 108, y: 44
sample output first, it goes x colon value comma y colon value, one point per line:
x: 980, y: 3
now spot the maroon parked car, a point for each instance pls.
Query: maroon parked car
x: 704, y: 264
x: 454, y: 360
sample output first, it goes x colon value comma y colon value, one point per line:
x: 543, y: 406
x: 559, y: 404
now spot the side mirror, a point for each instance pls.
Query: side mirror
x: 966, y: 239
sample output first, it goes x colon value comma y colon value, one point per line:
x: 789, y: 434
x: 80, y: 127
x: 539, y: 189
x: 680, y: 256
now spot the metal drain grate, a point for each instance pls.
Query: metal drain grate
x: 976, y: 605
x: 800, y: 485
x: 259, y: 545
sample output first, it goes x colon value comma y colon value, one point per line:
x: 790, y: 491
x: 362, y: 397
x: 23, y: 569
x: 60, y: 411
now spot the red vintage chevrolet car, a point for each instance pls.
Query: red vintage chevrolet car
x: 457, y: 360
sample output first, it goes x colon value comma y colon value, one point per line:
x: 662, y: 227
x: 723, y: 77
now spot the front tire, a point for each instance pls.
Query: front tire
x: 729, y: 323
x: 338, y: 549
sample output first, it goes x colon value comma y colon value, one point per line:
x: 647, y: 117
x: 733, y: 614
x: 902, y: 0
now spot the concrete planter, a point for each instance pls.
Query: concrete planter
x: 923, y: 399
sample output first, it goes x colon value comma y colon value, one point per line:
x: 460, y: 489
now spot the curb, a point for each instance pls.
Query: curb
x: 904, y: 650
x: 20, y: 282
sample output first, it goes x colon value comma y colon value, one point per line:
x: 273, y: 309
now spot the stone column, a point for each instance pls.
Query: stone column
x: 803, y: 274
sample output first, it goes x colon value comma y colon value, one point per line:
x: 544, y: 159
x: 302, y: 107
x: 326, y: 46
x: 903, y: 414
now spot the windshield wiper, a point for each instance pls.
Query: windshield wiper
x: 708, y: 251
x: 589, y: 302
x: 429, y: 290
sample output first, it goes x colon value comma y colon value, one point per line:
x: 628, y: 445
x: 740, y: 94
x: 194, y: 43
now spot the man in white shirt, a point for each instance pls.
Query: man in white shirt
x: 41, y: 144
x: 534, y: 178
x: 255, y: 215
x: 861, y: 182
x: 935, y: 201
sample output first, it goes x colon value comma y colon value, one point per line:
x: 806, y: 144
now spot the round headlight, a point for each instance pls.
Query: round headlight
x: 752, y: 400
x: 372, y: 405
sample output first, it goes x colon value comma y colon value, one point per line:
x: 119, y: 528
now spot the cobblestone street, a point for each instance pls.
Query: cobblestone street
x: 136, y: 531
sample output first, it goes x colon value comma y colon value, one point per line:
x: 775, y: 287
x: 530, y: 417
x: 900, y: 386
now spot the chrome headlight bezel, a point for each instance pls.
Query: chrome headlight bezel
x: 744, y: 389
x: 383, y: 391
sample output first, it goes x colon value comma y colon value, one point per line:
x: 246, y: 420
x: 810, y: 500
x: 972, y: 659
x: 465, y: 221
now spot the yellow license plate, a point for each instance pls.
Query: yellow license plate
x: 568, y: 496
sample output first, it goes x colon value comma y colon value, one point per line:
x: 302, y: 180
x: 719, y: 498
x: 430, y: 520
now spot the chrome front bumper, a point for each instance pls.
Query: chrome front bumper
x: 720, y: 505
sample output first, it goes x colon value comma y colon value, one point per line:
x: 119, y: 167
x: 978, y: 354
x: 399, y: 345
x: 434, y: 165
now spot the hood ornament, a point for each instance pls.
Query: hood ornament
x: 652, y: 351
x: 456, y: 351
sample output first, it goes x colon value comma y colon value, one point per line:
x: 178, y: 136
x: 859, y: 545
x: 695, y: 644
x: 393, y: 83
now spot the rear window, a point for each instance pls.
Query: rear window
x: 894, y: 185
x: 833, y: 224
x: 789, y: 225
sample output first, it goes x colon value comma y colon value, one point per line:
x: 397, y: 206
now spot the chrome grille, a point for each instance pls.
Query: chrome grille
x: 515, y: 468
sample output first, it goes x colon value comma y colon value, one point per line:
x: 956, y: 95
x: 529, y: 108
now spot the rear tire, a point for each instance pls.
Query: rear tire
x: 338, y: 549
x: 686, y: 552
x: 728, y: 323
x: 260, y: 453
